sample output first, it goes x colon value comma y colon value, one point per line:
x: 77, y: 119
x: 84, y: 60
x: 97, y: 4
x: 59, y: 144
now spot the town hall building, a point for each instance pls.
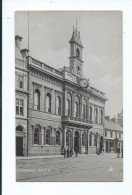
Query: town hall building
x: 56, y: 108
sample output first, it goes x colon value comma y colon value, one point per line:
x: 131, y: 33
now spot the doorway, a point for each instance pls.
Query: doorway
x: 19, y: 146
x: 76, y: 140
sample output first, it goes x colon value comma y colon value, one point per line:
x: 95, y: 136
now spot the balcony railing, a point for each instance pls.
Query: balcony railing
x: 70, y: 118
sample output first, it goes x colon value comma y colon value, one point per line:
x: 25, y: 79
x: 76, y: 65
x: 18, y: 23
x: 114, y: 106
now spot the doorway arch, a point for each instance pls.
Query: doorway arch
x: 76, y: 140
x: 19, y: 141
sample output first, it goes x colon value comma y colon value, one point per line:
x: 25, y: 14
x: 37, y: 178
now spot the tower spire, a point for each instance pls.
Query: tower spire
x: 76, y: 23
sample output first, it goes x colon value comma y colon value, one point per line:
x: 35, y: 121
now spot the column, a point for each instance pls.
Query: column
x: 93, y: 119
x: 98, y: 115
x: 64, y: 137
x: 87, y: 109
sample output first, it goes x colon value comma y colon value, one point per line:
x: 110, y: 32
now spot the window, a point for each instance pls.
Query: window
x: 19, y: 107
x: 105, y: 133
x: 76, y: 110
x: 119, y: 135
x: 58, y: 105
x: 77, y: 53
x: 84, y: 111
x: 48, y: 103
x: 96, y: 115
x: 58, y: 138
x: 90, y: 140
x: 19, y: 128
x: 68, y: 107
x: 101, y: 117
x: 95, y: 140
x: 116, y: 135
x: 36, y: 136
x: 111, y: 134
x: 48, y: 136
x: 90, y: 113
x: 20, y: 81
x: 37, y: 100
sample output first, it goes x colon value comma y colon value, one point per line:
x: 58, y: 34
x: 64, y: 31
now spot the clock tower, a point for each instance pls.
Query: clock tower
x: 76, y: 63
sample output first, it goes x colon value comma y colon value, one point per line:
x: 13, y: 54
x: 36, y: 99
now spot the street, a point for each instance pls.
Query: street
x: 92, y: 168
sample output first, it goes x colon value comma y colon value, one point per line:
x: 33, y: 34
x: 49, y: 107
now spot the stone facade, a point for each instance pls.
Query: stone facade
x: 61, y: 109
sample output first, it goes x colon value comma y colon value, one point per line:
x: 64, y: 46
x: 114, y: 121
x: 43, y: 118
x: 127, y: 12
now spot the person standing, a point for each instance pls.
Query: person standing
x: 65, y: 152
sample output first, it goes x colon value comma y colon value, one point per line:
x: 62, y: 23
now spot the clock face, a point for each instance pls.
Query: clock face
x: 84, y: 83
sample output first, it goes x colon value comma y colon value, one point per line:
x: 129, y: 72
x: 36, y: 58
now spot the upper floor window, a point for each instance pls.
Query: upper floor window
x: 84, y: 109
x: 76, y: 110
x: 68, y: 107
x: 96, y: 115
x: 101, y: 117
x: 48, y: 103
x: 58, y: 138
x: 90, y: 113
x: 19, y: 107
x: 111, y: 134
x: 116, y: 135
x: 58, y: 105
x: 105, y: 133
x: 20, y: 81
x: 77, y: 53
x: 37, y: 100
x: 119, y: 135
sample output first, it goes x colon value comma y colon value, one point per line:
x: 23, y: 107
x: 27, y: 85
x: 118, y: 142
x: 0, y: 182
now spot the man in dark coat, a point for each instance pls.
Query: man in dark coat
x: 76, y: 151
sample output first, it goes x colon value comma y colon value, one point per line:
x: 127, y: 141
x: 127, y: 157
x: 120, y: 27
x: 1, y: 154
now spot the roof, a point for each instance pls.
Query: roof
x: 76, y: 38
x: 112, y: 126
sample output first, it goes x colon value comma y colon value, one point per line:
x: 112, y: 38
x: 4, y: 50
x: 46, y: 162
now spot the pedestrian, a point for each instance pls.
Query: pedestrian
x: 65, y: 152
x: 76, y: 151
x: 68, y: 153
x: 71, y: 152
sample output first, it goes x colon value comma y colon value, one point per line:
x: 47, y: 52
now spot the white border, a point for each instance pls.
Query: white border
x: 10, y: 186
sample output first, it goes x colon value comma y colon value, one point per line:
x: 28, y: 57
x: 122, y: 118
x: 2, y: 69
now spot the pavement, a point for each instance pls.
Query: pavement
x: 92, y: 168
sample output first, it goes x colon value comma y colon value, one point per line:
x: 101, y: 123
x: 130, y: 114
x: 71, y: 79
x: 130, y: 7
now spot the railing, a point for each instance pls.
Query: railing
x: 71, y: 118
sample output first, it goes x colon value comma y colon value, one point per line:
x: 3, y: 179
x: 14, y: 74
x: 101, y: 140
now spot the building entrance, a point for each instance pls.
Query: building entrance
x: 76, y: 140
x: 19, y: 146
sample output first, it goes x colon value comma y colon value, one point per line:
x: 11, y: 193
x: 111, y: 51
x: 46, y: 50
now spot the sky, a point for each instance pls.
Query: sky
x: 101, y: 36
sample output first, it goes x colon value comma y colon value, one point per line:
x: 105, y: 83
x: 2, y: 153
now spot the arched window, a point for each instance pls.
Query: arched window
x: 36, y: 136
x: 68, y: 107
x: 84, y: 139
x: 84, y: 109
x: 58, y: 138
x: 77, y: 53
x: 96, y: 115
x: 19, y: 128
x: 95, y: 140
x: 48, y: 103
x: 37, y: 100
x: 76, y: 110
x: 58, y: 105
x: 101, y: 117
x: 90, y: 139
x: 47, y: 137
x: 90, y: 113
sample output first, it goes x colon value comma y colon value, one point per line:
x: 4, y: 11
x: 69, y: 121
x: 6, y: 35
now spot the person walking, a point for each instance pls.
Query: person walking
x: 76, y: 151
x: 65, y: 152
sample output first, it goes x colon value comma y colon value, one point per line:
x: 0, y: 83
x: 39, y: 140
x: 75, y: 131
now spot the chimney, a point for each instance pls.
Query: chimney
x: 17, y: 41
x: 107, y: 118
x: 25, y: 53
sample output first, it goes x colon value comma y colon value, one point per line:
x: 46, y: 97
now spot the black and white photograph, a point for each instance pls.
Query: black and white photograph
x: 68, y: 96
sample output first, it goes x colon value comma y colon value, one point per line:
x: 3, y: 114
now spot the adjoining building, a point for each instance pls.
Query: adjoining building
x: 113, y: 136
x: 57, y: 108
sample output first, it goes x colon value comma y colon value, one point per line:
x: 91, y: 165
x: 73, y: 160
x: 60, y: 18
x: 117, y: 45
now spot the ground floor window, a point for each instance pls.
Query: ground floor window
x: 58, y: 138
x: 48, y: 137
x: 95, y: 140
x: 90, y: 139
x: 36, y: 136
